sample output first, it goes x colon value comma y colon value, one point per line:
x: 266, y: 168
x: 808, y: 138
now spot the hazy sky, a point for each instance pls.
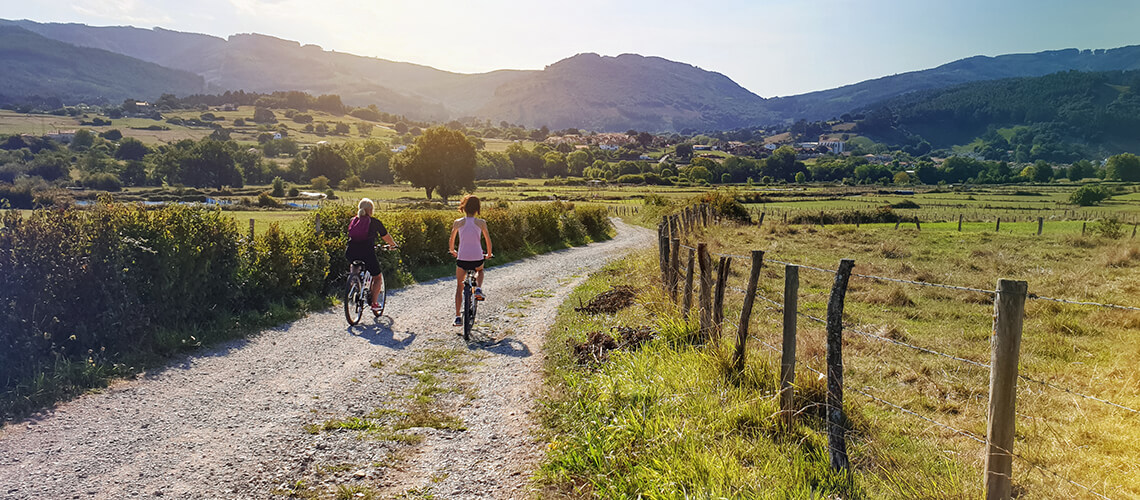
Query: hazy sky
x: 771, y: 47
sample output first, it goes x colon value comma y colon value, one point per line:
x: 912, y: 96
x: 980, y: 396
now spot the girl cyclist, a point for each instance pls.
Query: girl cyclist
x: 362, y: 233
x: 470, y: 255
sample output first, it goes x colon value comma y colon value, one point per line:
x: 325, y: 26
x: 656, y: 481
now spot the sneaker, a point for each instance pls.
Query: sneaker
x: 479, y: 294
x: 458, y: 321
x: 376, y: 306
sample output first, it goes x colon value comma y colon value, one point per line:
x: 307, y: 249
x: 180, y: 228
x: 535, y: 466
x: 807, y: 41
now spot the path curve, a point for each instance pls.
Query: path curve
x: 231, y: 422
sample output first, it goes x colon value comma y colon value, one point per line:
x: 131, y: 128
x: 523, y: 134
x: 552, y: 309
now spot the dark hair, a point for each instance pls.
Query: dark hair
x: 469, y: 205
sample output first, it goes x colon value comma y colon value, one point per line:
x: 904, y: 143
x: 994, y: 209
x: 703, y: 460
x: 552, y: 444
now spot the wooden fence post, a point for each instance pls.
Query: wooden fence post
x: 1040, y: 225
x: 998, y: 226
x: 761, y: 223
x: 663, y: 250
x: 836, y: 420
x: 317, y: 224
x: 687, y: 296
x: 788, y: 356
x: 917, y: 225
x: 1084, y: 227
x: 251, y: 222
x: 718, y: 296
x: 1009, y: 309
x: 1134, y: 231
x: 746, y: 310
x: 674, y: 267
x: 959, y: 223
x: 705, y: 300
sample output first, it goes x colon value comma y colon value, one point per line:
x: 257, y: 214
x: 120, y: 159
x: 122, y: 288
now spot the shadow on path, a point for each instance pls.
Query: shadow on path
x: 380, y: 333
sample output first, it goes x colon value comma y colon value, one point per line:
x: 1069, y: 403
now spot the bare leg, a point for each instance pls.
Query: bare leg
x: 377, y: 282
x: 479, y: 278
x: 458, y: 290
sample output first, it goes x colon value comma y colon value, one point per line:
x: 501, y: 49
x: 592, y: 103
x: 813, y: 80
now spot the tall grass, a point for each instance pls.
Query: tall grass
x: 672, y: 420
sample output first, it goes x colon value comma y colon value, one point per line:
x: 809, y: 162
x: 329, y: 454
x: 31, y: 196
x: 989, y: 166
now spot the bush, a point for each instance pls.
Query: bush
x: 1089, y: 195
x: 294, y: 192
x: 266, y: 201
x: 319, y: 183
x: 103, y: 181
x: 352, y: 183
x: 278, y: 187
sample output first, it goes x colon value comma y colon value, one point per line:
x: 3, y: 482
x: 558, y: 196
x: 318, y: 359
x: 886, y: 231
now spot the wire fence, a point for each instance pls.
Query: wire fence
x: 866, y: 330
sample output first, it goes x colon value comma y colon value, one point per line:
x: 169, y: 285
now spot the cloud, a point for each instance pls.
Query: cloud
x: 131, y: 12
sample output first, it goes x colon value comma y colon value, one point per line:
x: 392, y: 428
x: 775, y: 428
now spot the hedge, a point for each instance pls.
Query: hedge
x: 84, y: 290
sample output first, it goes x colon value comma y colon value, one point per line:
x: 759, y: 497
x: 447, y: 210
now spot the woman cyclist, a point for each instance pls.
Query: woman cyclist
x: 362, y: 233
x: 470, y: 255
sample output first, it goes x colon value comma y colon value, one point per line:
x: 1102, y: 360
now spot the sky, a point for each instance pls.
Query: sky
x: 770, y: 47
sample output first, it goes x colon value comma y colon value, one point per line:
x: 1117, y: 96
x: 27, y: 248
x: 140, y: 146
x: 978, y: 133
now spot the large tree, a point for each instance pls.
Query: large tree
x: 441, y: 160
x: 327, y: 161
x: 1124, y: 167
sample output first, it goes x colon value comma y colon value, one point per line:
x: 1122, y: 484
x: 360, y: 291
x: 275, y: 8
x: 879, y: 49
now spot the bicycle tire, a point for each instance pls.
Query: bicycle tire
x: 468, y: 311
x: 381, y: 298
x: 352, y: 301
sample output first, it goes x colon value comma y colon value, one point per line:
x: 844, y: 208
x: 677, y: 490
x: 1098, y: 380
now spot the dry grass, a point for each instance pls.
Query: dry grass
x: 1084, y: 349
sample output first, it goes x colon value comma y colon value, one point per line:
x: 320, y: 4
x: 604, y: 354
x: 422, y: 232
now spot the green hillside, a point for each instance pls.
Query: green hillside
x: 34, y: 65
x: 1060, y: 117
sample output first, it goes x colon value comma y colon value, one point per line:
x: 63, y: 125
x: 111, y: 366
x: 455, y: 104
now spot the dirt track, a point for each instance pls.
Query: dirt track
x: 244, y: 420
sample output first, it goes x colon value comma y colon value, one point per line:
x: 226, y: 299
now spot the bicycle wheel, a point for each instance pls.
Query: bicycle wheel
x: 353, y: 302
x: 468, y: 311
x: 381, y: 298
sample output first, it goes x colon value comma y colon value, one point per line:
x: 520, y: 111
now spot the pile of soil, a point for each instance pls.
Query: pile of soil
x: 597, y: 347
x: 610, y: 301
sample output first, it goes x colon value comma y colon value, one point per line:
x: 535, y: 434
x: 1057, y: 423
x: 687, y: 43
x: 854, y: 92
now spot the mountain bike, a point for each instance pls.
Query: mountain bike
x: 359, y: 291
x: 470, y: 304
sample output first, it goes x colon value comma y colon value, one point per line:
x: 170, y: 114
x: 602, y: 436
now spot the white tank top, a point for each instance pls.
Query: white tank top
x: 470, y: 247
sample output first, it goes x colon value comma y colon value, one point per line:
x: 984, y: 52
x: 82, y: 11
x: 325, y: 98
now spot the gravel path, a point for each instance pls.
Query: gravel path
x: 269, y: 416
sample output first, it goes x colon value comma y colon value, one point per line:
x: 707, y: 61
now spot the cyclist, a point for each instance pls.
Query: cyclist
x: 470, y: 255
x: 363, y: 231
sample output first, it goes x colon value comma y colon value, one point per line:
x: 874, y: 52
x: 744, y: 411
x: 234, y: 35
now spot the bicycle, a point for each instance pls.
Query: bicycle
x: 359, y: 292
x: 470, y: 304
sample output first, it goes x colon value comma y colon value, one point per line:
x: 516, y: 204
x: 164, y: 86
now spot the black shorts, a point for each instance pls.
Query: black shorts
x: 469, y: 265
x: 371, y: 263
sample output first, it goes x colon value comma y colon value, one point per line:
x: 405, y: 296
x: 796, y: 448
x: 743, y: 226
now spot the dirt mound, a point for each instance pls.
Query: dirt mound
x: 597, y: 347
x: 610, y: 301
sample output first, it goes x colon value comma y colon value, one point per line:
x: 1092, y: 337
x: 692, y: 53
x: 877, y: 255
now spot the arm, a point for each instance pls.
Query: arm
x: 451, y: 242
x: 388, y: 239
x: 487, y: 238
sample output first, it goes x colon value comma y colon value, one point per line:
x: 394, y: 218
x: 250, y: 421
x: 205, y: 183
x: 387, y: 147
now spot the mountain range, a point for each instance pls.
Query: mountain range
x: 585, y: 91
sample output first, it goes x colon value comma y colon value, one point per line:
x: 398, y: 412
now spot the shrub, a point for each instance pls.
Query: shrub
x: 278, y: 187
x: 1089, y: 195
x: 294, y: 192
x: 264, y: 200
x: 103, y: 181
x: 319, y: 183
x: 352, y: 183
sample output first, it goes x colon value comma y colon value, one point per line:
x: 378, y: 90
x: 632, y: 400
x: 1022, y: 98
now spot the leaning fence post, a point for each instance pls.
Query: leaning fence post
x: 687, y: 297
x: 674, y: 267
x: 761, y: 223
x: 1009, y: 309
x: 998, y: 226
x: 1134, y: 231
x: 836, y: 420
x: 718, y: 296
x: 788, y: 356
x: 746, y: 310
x: 1040, y: 225
x: 917, y: 224
x: 705, y: 305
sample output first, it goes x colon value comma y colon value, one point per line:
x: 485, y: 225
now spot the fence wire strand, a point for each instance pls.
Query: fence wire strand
x: 1080, y: 303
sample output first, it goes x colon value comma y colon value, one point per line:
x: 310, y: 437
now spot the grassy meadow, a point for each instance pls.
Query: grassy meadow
x: 1069, y: 351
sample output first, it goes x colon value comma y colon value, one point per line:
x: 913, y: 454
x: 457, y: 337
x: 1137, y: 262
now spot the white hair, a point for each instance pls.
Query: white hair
x: 364, y: 208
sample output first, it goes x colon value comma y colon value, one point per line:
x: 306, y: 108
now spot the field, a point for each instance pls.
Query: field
x: 1076, y: 425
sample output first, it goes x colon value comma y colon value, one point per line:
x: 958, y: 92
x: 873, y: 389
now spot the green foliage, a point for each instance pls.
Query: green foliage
x: 1089, y: 195
x: 1111, y: 228
x: 319, y: 183
x: 327, y: 161
x: 441, y: 160
x: 278, y: 187
x: 104, y: 181
x: 1123, y: 167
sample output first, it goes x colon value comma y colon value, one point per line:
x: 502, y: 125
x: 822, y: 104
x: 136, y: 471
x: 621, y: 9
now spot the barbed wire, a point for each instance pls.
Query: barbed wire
x: 1080, y: 303
x: 910, y: 412
x: 924, y: 283
x: 856, y: 330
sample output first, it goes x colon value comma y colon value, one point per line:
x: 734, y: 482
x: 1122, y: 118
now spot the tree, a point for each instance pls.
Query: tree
x: 83, y: 139
x: 800, y: 178
x: 527, y: 163
x: 327, y: 161
x: 577, y: 161
x: 902, y: 178
x: 131, y: 149
x: 400, y: 128
x: 341, y: 128
x: 699, y: 173
x: 1042, y: 171
x: 1123, y: 167
x: 211, y: 163
x: 365, y: 129
x: 278, y: 187
x: 782, y: 164
x: 684, y: 151
x: 264, y: 115
x: 112, y: 135
x: 554, y: 164
x: 441, y: 160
